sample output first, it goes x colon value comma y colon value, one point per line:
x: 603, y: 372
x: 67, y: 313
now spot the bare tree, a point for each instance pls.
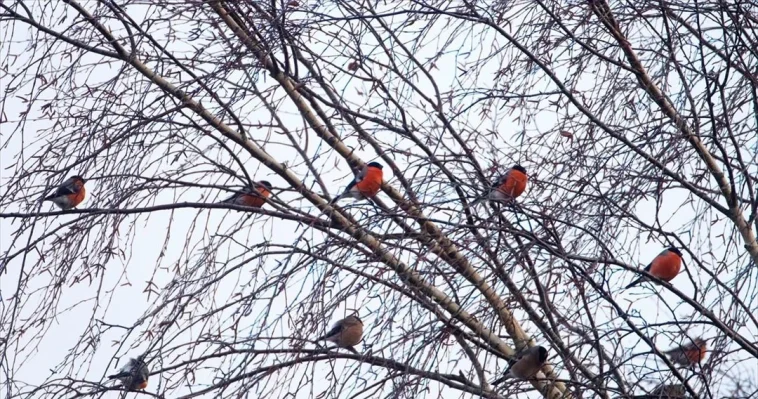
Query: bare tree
x: 636, y: 122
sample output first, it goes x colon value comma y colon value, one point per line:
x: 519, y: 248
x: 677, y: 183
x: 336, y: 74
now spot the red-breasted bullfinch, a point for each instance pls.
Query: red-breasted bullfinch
x: 69, y: 194
x: 693, y: 352
x: 365, y: 185
x: 345, y: 333
x: 509, y: 186
x: 526, y: 365
x: 133, y: 375
x: 665, y: 266
x: 253, y: 197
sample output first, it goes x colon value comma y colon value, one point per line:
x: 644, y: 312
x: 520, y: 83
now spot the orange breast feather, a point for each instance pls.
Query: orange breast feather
x: 371, y: 183
x: 515, y: 184
x: 254, y: 200
x: 351, y: 335
x: 666, y: 266
x: 77, y: 198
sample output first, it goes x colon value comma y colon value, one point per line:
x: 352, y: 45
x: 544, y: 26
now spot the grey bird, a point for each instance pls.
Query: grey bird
x: 526, y: 365
x: 133, y: 375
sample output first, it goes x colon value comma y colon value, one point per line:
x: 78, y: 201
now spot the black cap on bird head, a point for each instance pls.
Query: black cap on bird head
x: 519, y: 168
x: 675, y: 250
x: 358, y: 318
x: 77, y: 177
x: 542, y: 355
x: 375, y: 165
x: 266, y: 184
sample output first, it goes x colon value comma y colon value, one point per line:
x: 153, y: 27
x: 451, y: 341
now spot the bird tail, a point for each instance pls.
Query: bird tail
x: 321, y: 338
x: 633, y: 283
x: 499, y: 380
x: 476, y: 202
x: 351, y: 349
x: 230, y: 200
x: 48, y: 198
x: 337, y: 198
x: 119, y: 375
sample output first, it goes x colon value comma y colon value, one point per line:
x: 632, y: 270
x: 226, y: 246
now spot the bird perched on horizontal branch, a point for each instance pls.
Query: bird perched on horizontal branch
x: 526, y: 365
x: 345, y: 333
x: 665, y: 266
x: 69, y: 194
x: 253, y: 197
x: 366, y: 183
x: 134, y: 374
x: 690, y: 353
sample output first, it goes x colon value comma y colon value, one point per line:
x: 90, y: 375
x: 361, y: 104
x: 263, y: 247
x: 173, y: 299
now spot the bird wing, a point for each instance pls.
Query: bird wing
x: 231, y: 199
x: 361, y: 174
x: 511, y: 362
x: 500, y: 180
x: 506, y: 374
x: 68, y: 187
x: 142, y: 371
x: 336, y: 329
x: 527, y: 365
x: 238, y: 194
x: 119, y: 375
x: 125, y: 370
x: 358, y: 177
x: 352, y: 184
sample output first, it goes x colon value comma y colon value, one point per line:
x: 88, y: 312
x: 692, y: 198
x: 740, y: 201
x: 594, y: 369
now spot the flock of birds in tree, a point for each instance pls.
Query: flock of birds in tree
x: 348, y: 332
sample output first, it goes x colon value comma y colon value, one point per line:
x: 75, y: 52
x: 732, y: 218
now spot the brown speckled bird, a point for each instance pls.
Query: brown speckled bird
x: 345, y: 333
x: 526, y: 365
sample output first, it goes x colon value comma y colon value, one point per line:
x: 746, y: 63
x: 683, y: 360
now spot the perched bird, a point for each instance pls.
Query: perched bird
x: 365, y: 185
x: 345, y: 333
x: 133, y: 375
x: 527, y: 364
x: 507, y: 187
x: 69, y: 194
x: 253, y: 197
x: 689, y: 354
x: 666, y: 391
x: 665, y: 266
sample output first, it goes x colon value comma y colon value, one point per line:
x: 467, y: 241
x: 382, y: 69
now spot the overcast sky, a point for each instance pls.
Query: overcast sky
x: 152, y: 257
